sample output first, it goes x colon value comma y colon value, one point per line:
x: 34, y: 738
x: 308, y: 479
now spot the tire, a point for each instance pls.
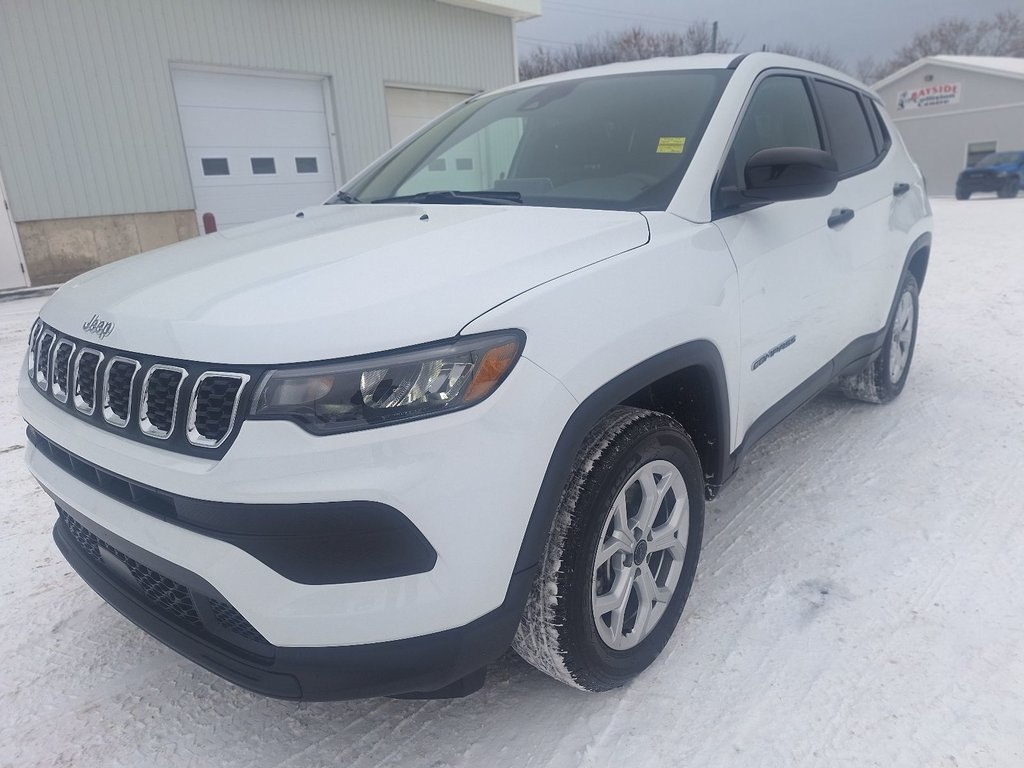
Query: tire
x: 962, y: 194
x: 628, y: 451
x: 884, y: 377
x: 1009, y: 189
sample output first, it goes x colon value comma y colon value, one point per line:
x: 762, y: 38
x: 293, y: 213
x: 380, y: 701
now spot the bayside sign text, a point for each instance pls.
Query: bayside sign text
x: 939, y: 95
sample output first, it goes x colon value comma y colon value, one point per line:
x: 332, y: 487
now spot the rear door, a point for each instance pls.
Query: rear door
x: 864, y: 248
x: 790, y: 316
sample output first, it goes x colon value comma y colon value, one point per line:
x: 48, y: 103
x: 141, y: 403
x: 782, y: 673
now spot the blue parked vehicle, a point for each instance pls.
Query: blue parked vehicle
x: 1000, y: 172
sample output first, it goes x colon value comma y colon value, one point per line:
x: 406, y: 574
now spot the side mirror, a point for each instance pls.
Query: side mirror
x: 790, y: 173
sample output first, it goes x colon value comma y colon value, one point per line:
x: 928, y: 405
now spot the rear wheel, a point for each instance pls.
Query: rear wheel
x: 622, y: 554
x: 883, y: 379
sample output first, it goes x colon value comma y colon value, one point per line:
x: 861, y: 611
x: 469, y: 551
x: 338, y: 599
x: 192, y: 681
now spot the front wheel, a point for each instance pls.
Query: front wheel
x: 883, y: 379
x: 621, y: 556
x: 962, y: 194
x: 1010, y: 188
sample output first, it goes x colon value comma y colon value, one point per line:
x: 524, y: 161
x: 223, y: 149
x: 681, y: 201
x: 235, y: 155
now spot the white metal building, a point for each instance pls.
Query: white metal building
x: 123, y: 122
x: 954, y: 110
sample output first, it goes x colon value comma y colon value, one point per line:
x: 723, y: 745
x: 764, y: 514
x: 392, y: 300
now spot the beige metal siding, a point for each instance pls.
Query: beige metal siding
x: 88, y: 122
x: 990, y: 108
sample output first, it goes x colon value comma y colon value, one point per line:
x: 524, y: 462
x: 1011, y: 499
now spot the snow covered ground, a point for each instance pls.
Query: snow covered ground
x: 860, y: 598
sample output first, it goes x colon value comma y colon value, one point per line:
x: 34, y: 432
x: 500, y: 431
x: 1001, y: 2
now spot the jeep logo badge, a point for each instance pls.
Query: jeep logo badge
x: 101, y: 328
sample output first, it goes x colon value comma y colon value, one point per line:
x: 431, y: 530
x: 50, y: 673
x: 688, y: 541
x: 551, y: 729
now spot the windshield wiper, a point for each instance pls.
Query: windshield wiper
x: 456, y: 197
x: 344, y: 197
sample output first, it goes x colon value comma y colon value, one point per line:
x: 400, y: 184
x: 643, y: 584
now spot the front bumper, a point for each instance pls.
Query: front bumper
x: 987, y: 183
x: 188, y: 614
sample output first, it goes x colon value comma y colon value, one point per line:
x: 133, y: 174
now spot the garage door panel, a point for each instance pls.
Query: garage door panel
x: 263, y: 202
x: 250, y: 127
x: 230, y: 91
x: 287, y: 161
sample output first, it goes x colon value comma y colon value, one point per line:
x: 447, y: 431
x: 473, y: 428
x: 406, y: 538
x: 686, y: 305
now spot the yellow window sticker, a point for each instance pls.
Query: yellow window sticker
x: 671, y: 145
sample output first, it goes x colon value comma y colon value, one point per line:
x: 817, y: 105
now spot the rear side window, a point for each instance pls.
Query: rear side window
x: 850, y: 134
x: 878, y: 132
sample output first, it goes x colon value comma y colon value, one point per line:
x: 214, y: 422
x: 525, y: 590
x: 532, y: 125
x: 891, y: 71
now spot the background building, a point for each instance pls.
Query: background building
x: 123, y: 122
x: 954, y: 110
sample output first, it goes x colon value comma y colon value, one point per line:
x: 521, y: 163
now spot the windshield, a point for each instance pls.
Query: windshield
x: 1001, y: 158
x: 618, y: 142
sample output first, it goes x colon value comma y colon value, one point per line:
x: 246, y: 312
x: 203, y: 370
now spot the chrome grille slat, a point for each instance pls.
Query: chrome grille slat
x: 209, y: 424
x: 62, y: 355
x: 43, y: 349
x: 158, y: 409
x: 87, y: 366
x: 33, y: 337
x: 118, y: 389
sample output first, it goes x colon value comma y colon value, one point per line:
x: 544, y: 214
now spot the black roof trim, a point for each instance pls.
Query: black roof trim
x: 736, y: 62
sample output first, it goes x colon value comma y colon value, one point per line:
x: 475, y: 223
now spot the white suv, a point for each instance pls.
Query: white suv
x: 479, y: 398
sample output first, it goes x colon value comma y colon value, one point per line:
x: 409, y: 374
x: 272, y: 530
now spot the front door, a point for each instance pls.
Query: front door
x: 788, y: 278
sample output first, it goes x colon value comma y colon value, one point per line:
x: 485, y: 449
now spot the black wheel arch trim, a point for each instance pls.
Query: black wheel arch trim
x: 701, y: 353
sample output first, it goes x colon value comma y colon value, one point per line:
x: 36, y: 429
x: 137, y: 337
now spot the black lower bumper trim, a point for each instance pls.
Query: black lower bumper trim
x: 312, y: 543
x: 410, y: 666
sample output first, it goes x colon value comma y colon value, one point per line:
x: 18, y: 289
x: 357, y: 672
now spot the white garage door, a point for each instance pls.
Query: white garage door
x: 409, y: 109
x: 257, y: 146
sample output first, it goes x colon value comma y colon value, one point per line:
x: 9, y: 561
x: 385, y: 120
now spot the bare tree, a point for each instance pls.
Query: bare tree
x: 869, y: 69
x: 630, y: 45
x: 1003, y: 35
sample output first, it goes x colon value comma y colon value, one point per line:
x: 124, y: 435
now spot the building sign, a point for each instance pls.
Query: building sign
x: 940, y: 95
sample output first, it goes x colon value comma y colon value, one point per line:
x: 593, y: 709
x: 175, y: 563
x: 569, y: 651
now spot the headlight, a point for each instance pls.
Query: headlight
x: 383, y: 389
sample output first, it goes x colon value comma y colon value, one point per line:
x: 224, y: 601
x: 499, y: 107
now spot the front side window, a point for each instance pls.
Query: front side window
x: 618, y: 142
x: 779, y: 114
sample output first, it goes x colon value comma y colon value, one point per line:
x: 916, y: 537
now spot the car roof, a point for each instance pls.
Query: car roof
x: 751, y: 64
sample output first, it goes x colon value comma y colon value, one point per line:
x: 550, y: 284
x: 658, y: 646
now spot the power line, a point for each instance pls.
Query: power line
x: 542, y: 41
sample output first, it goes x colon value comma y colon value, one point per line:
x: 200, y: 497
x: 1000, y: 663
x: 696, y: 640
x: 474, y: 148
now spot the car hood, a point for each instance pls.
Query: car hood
x: 990, y: 170
x: 334, y: 281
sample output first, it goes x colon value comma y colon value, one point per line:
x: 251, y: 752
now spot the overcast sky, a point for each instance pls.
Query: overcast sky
x: 853, y: 29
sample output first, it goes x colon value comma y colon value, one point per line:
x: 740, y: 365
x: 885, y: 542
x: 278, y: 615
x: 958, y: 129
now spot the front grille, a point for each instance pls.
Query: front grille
x: 144, y: 398
x: 160, y: 400
x: 233, y: 621
x: 212, y: 411
x: 117, y: 390
x: 44, y: 345
x: 86, y: 366
x: 169, y: 598
x: 62, y: 369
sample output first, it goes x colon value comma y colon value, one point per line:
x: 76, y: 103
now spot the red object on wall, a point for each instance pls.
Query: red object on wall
x: 209, y: 223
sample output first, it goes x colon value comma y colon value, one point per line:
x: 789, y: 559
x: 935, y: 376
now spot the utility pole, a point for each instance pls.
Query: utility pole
x: 714, y: 37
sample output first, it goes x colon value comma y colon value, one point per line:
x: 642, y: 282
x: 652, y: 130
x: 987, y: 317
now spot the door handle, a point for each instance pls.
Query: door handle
x: 839, y: 217
x: 900, y: 188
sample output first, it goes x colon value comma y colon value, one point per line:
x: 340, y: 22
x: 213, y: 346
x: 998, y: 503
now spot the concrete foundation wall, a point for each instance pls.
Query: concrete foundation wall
x: 58, y: 249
